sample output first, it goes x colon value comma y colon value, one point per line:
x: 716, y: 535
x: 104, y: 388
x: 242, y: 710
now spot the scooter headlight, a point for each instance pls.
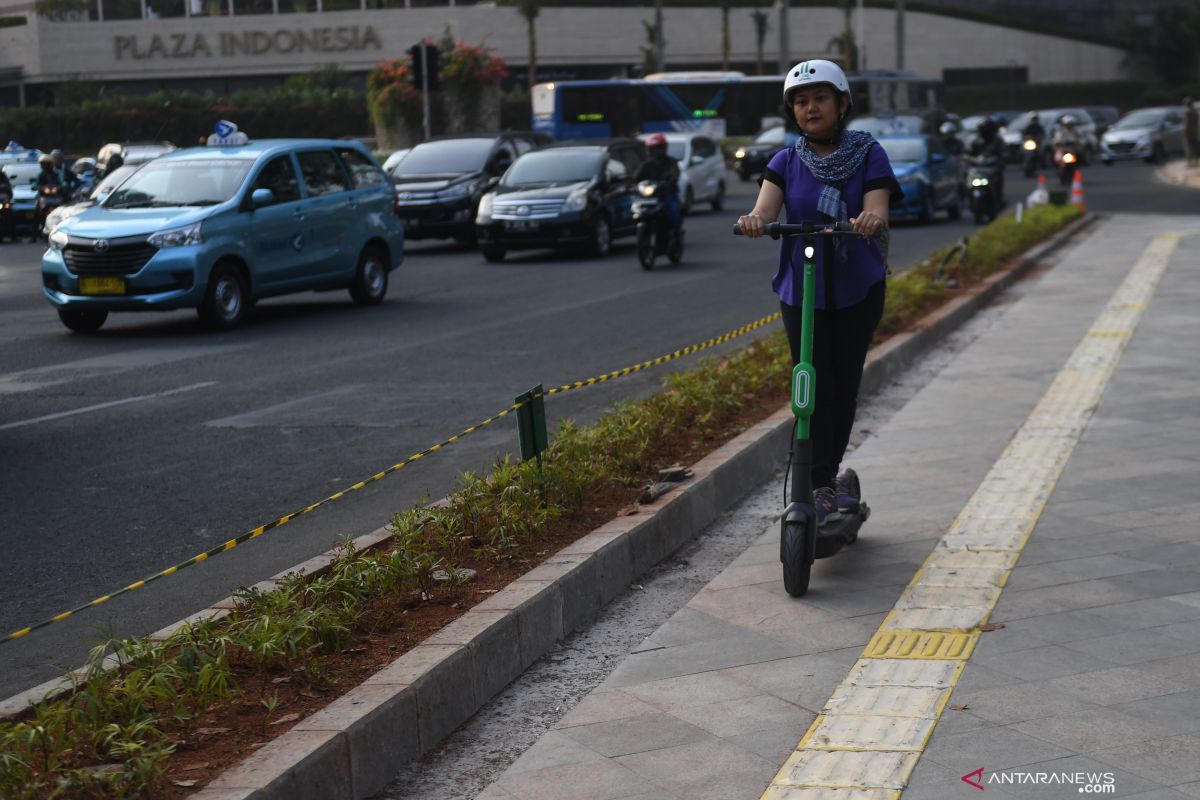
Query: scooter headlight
x: 979, y: 181
x: 1030, y: 144
x: 646, y: 188
x: 1068, y: 158
x: 58, y: 240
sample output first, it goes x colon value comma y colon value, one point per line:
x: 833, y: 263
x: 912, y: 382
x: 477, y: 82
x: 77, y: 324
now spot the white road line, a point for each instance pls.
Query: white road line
x: 101, y: 406
x: 99, y: 366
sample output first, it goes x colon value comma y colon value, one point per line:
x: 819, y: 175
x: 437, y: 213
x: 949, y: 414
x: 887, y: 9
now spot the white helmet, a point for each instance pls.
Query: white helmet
x: 812, y: 72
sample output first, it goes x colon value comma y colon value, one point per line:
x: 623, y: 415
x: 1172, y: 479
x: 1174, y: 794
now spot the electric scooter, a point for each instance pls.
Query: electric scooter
x: 801, y: 541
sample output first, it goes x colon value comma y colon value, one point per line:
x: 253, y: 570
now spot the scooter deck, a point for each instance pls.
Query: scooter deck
x: 837, y: 533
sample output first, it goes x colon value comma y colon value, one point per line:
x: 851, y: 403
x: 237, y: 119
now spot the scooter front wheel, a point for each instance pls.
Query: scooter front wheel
x: 796, y: 567
x: 645, y: 248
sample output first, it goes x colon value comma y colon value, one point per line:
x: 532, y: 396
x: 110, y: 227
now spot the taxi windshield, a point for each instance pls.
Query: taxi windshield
x: 170, y: 184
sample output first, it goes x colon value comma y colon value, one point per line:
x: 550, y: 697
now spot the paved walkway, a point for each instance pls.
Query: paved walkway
x: 1096, y: 669
x: 1178, y: 172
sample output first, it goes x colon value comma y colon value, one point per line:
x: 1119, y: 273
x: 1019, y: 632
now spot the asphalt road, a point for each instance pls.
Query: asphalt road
x: 129, y: 451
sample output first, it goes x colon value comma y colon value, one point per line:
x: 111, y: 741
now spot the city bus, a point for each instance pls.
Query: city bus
x: 719, y: 104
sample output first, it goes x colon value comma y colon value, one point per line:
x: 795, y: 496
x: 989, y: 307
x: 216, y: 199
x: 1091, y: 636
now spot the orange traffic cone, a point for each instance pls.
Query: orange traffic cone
x: 1077, y: 190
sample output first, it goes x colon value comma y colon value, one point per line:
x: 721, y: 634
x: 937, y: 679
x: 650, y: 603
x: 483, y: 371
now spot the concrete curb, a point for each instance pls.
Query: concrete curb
x: 354, y: 746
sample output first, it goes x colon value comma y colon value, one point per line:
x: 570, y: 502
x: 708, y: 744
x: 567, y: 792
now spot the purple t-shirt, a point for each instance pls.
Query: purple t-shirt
x: 864, y: 265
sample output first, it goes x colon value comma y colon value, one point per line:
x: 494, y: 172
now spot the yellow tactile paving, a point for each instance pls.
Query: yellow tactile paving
x: 846, y: 769
x: 901, y: 643
x: 887, y: 701
x: 867, y: 741
x: 821, y: 793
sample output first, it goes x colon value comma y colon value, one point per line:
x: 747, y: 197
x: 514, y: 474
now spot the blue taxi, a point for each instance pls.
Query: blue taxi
x: 217, y: 228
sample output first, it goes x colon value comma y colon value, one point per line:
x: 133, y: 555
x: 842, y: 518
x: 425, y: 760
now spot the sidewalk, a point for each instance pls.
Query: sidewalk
x: 1176, y: 172
x: 1097, y: 667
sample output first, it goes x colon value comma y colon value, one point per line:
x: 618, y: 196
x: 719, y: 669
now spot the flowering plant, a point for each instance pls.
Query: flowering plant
x: 390, y: 84
x: 470, y: 65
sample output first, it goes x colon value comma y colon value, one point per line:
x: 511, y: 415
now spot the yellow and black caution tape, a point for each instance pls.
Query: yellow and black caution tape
x: 687, y: 351
x: 260, y: 530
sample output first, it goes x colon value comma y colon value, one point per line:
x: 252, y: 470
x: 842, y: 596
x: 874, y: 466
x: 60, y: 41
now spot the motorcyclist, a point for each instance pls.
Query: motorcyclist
x: 6, y: 219
x: 989, y: 147
x: 67, y: 177
x: 950, y: 141
x: 1066, y: 134
x: 47, y: 177
x: 663, y: 169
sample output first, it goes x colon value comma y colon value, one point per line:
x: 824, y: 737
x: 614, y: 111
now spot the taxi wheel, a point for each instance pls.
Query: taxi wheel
x: 82, y: 320
x: 492, y: 253
x: 371, y: 280
x: 225, y: 302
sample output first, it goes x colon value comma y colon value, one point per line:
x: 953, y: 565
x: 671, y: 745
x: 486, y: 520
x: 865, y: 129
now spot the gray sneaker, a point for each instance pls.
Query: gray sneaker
x: 845, y: 496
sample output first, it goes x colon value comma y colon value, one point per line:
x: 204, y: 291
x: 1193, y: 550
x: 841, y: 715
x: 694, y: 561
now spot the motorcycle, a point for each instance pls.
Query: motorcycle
x: 655, y: 234
x: 48, y: 199
x: 1066, y: 159
x: 1032, y: 156
x: 982, y: 186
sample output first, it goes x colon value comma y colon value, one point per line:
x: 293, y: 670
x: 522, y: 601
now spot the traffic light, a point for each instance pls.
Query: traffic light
x: 429, y: 64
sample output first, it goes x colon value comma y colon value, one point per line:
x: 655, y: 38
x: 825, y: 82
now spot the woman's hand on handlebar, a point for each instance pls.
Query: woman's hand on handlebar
x: 868, y: 223
x: 751, y: 225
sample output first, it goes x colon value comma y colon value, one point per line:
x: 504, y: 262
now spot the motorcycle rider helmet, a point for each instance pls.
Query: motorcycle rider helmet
x: 1067, y: 121
x: 656, y: 143
x: 56, y: 154
x: 45, y: 159
x: 947, y: 129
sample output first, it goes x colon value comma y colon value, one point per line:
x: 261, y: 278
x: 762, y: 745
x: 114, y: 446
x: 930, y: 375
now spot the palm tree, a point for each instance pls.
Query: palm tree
x: 761, y: 25
x: 725, y: 36
x: 529, y: 9
x: 843, y: 44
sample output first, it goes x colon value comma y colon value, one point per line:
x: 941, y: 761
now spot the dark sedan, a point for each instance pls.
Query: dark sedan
x: 439, y: 183
x: 574, y: 195
x: 752, y: 158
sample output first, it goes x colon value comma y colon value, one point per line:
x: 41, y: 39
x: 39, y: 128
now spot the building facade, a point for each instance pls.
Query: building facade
x: 229, y: 49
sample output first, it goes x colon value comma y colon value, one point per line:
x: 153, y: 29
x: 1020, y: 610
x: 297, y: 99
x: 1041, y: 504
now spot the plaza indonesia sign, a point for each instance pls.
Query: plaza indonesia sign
x: 285, y: 41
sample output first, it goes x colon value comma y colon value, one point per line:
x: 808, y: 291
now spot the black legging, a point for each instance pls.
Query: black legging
x: 841, y: 338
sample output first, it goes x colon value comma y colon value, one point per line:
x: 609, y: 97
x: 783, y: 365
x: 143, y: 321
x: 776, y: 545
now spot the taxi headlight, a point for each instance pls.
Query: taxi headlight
x: 576, y: 201
x: 739, y: 153
x: 177, y: 237
x: 58, y: 240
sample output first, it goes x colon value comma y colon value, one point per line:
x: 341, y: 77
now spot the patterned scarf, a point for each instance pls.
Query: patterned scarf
x: 834, y: 170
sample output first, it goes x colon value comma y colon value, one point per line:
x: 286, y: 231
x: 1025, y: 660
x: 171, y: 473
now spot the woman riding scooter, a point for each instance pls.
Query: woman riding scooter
x: 836, y: 175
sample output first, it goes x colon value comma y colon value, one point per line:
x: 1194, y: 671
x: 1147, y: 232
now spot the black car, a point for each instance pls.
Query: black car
x: 576, y: 194
x: 751, y: 159
x: 439, y: 182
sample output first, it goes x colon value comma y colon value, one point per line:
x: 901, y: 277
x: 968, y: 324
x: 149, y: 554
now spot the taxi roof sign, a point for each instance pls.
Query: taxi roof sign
x: 226, y: 133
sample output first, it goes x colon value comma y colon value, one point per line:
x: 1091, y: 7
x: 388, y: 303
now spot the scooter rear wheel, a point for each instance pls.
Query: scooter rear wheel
x: 796, y: 568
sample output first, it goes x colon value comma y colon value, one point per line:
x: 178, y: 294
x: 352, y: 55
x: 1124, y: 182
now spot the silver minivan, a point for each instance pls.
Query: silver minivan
x: 701, y: 169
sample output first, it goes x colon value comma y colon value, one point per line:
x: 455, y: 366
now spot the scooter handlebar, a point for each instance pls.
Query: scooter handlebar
x: 805, y: 228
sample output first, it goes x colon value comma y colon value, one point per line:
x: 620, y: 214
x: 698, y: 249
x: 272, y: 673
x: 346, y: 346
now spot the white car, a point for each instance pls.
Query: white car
x: 701, y: 169
x: 1152, y: 134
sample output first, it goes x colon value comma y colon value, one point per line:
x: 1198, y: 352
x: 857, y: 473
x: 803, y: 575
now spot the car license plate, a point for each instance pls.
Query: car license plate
x: 102, y: 286
x: 521, y: 224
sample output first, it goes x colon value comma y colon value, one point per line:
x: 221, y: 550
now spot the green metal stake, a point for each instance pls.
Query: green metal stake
x: 531, y: 429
